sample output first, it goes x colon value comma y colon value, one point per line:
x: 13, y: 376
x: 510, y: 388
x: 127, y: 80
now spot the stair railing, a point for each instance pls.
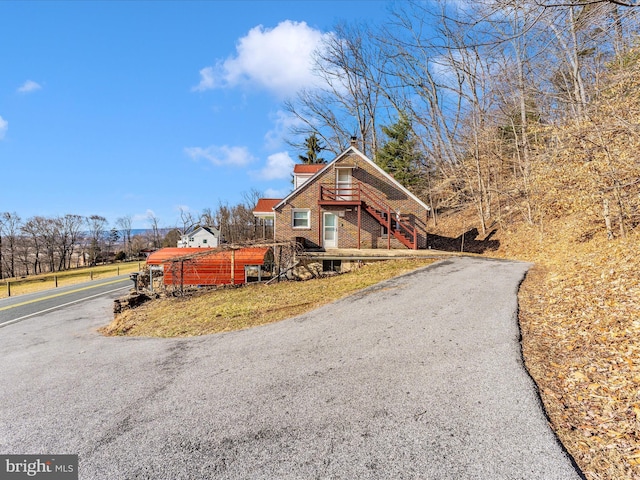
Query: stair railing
x: 360, y: 193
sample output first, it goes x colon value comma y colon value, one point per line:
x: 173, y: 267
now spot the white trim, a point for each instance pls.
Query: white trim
x: 300, y: 179
x: 346, y: 195
x: 196, y: 237
x: 366, y: 159
x: 391, y: 179
x: 297, y: 210
x: 324, y: 229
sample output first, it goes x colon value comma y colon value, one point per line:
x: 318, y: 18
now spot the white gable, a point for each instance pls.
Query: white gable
x: 200, y: 238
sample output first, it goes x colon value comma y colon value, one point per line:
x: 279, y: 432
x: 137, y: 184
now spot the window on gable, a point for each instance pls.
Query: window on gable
x: 204, y: 240
x: 301, y: 218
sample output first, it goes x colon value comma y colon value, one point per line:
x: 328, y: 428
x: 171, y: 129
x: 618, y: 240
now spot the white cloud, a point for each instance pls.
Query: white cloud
x: 224, y: 155
x: 279, y: 165
x: 29, y: 86
x: 283, y: 122
x: 142, y: 217
x: 4, y: 126
x: 207, y: 80
x: 278, y: 59
x: 273, y: 193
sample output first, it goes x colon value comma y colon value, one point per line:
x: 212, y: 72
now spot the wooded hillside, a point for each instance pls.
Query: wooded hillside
x: 580, y: 303
x: 524, y: 121
x: 580, y: 310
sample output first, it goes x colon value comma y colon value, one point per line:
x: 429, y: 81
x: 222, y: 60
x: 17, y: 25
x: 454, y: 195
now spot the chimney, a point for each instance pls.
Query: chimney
x: 354, y: 141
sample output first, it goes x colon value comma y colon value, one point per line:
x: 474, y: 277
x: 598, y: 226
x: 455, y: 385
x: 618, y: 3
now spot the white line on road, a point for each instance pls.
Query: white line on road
x: 16, y: 320
x: 61, y: 294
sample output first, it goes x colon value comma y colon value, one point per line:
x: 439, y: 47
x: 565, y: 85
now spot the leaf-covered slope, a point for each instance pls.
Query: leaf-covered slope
x: 580, y: 303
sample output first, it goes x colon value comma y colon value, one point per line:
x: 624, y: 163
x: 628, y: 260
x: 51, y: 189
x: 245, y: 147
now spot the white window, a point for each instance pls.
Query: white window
x: 301, y: 218
x: 343, y: 184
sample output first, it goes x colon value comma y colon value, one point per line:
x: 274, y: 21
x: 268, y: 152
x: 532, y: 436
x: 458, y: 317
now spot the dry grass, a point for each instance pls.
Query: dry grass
x: 252, y: 305
x: 37, y: 283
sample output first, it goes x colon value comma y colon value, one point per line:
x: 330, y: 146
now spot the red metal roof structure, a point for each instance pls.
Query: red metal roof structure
x: 199, y: 266
x: 308, y: 168
x: 160, y: 256
x: 265, y: 205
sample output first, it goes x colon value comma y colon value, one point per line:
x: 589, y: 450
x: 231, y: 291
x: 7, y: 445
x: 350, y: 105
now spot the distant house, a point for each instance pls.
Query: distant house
x: 350, y: 203
x: 201, y: 237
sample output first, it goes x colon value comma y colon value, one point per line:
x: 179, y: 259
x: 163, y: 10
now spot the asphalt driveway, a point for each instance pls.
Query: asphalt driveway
x: 418, y: 377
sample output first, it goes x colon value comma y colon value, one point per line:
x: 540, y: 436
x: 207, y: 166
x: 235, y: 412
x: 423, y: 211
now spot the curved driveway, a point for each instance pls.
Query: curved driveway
x: 419, y: 377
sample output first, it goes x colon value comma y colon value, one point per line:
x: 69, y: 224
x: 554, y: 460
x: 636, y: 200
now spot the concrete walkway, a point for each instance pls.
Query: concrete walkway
x: 381, y: 253
x: 419, y: 377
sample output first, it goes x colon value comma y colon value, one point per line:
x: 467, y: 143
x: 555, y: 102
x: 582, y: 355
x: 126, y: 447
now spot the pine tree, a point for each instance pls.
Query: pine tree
x: 314, y: 147
x: 399, y: 156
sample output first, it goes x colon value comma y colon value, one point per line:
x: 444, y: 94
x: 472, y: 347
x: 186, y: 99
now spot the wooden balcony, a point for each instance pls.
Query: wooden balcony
x: 347, y: 196
x: 365, y: 197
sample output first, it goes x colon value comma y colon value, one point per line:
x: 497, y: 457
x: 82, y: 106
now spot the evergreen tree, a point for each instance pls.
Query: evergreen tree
x: 399, y: 156
x: 314, y: 147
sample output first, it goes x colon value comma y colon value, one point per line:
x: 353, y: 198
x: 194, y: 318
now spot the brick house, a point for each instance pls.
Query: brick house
x: 350, y: 203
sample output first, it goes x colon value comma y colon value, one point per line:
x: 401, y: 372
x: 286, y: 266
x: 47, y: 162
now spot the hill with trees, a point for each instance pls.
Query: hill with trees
x: 526, y: 118
x: 518, y: 122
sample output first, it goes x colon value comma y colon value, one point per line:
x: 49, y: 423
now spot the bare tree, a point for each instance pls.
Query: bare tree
x: 223, y: 220
x: 155, y: 230
x: 236, y: 222
x: 10, y: 224
x: 125, y: 223
x: 1, y: 258
x: 617, y: 3
x: 48, y: 231
x: 32, y: 233
x: 97, y: 225
x: 69, y: 232
x: 346, y: 104
x: 187, y: 221
x: 207, y: 218
x: 250, y: 198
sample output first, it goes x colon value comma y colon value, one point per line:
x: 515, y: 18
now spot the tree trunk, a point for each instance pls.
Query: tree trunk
x: 607, y: 218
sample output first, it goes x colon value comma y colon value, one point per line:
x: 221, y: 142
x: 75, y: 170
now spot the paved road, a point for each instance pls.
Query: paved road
x: 21, y: 307
x: 419, y: 377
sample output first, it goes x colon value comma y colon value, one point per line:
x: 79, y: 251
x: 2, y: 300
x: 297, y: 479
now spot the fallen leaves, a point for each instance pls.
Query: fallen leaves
x: 581, y: 339
x: 580, y: 324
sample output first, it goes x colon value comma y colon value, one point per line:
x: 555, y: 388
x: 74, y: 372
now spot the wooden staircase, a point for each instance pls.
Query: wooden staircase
x: 377, y: 207
x: 401, y: 230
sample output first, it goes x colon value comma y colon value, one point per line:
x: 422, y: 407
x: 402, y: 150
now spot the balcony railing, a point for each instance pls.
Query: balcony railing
x: 361, y: 194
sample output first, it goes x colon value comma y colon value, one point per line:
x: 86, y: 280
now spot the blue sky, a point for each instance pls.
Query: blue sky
x: 126, y: 108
